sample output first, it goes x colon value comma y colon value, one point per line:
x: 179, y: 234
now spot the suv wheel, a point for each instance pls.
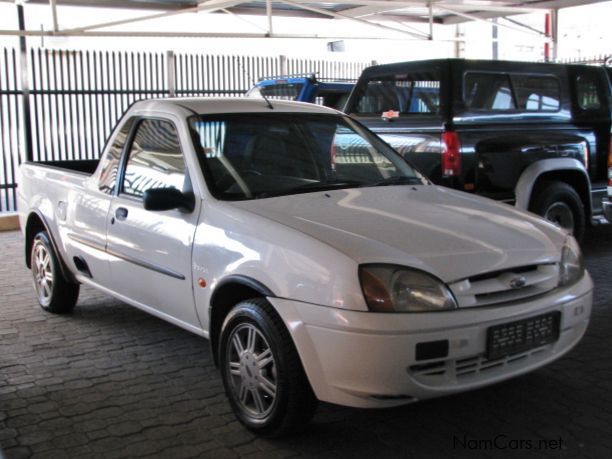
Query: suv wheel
x: 559, y: 203
x: 262, y: 372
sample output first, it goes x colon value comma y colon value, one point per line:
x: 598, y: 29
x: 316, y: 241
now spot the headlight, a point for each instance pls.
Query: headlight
x: 571, y: 268
x: 390, y: 288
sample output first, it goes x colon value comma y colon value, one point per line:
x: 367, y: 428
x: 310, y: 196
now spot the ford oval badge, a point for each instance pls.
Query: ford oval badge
x: 518, y: 282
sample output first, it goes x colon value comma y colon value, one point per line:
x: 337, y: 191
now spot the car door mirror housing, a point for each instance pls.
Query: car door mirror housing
x: 158, y: 199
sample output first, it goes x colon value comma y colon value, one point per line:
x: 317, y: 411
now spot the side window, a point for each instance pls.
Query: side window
x: 155, y: 159
x: 488, y: 91
x: 537, y: 93
x: 500, y: 92
x: 587, y: 91
x: 110, y: 162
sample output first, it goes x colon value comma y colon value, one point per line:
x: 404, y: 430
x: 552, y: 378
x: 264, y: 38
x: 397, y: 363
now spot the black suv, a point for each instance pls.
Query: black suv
x: 533, y: 135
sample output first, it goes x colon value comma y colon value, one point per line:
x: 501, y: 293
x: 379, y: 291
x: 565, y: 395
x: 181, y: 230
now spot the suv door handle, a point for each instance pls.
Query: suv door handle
x: 121, y: 213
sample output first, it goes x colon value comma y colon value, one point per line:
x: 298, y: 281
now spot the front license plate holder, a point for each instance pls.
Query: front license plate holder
x: 522, y: 335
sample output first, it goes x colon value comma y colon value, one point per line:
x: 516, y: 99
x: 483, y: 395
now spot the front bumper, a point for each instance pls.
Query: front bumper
x: 365, y: 359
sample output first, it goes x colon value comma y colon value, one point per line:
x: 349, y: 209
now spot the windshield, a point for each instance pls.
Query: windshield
x: 259, y: 155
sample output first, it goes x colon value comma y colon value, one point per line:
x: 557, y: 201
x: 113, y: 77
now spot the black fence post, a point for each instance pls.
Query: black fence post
x: 25, y: 87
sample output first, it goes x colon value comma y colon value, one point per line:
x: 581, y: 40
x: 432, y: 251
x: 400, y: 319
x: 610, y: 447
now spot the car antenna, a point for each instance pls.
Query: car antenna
x: 246, y: 73
x: 270, y: 106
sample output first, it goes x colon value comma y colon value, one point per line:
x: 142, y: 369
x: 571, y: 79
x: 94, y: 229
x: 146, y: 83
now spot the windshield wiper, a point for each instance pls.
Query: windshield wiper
x: 321, y: 186
x: 310, y: 187
x: 398, y: 180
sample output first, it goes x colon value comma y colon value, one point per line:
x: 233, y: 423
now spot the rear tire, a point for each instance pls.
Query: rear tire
x: 55, y: 294
x: 262, y: 371
x: 559, y: 203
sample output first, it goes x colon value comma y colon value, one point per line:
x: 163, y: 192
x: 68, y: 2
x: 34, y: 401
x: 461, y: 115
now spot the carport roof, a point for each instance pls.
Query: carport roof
x: 390, y: 15
x: 442, y: 11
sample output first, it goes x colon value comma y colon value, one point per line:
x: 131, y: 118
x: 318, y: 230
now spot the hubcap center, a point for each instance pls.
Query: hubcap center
x: 249, y: 370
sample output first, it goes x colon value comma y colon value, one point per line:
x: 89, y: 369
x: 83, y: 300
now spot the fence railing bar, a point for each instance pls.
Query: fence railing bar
x: 77, y: 96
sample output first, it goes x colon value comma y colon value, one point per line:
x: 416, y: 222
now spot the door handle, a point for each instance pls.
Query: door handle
x: 121, y: 213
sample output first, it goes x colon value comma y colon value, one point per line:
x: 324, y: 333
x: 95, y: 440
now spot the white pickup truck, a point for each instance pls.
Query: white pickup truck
x: 317, y: 261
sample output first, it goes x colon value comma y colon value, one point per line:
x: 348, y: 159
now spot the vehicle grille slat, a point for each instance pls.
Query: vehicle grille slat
x: 505, y: 286
x: 440, y: 372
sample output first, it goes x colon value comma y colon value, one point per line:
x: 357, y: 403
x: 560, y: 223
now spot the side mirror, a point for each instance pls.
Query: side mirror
x: 167, y: 199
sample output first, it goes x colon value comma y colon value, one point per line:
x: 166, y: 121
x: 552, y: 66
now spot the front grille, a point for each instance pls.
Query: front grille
x: 505, y: 286
x: 445, y: 371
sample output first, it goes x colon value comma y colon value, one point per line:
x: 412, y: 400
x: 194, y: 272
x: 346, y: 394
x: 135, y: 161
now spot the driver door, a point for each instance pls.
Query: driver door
x: 150, y: 251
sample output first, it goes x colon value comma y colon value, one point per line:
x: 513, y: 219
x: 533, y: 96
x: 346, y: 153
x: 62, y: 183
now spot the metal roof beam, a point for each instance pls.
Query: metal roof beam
x: 269, y: 14
x: 421, y: 36
x: 246, y: 21
x: 536, y: 6
x: 53, y: 6
x: 391, y: 5
x: 245, y: 11
x: 520, y: 24
x: 557, y: 4
x: 208, y: 6
x: 159, y: 5
x: 181, y: 34
x: 479, y: 19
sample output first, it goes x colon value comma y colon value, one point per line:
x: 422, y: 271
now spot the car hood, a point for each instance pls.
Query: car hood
x: 450, y: 234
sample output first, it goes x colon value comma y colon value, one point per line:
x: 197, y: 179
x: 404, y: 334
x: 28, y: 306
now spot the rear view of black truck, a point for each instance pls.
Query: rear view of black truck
x: 533, y: 135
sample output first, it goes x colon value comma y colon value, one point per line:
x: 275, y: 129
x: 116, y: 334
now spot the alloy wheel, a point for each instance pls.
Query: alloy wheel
x: 252, y: 371
x: 42, y: 270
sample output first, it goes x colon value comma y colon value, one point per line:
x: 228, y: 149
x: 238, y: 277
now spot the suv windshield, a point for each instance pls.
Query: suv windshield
x: 247, y: 156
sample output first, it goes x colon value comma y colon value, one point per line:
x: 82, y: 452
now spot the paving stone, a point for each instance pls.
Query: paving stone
x: 109, y: 381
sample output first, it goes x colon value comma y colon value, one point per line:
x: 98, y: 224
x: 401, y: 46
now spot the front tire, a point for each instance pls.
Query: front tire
x: 262, y: 372
x: 559, y: 203
x: 55, y: 294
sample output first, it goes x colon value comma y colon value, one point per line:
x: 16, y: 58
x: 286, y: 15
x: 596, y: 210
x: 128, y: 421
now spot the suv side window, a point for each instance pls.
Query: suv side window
x: 503, y: 92
x: 110, y: 162
x: 488, y: 91
x: 587, y: 91
x: 411, y: 93
x: 155, y: 159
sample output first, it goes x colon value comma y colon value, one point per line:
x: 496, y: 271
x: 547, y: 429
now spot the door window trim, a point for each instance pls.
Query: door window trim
x: 138, y: 120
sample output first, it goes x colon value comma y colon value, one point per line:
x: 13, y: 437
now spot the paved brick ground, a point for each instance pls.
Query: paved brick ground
x: 110, y: 381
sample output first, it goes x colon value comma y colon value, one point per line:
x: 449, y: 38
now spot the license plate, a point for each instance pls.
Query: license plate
x: 522, y: 335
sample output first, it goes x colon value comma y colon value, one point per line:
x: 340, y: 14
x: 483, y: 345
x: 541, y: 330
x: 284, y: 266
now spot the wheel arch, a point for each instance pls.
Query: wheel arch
x: 35, y: 223
x: 566, y: 170
x: 230, y: 291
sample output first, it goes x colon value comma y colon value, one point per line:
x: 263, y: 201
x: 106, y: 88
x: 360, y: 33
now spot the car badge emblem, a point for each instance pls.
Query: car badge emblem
x: 518, y: 282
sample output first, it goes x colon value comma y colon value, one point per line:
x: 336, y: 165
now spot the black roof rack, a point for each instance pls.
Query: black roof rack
x: 310, y: 75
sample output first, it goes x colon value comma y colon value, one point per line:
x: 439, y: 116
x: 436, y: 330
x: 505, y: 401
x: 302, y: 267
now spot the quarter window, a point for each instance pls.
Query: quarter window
x: 155, y: 159
x: 587, y: 92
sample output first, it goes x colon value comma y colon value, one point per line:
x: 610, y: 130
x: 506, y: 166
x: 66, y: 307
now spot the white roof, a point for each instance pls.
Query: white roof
x: 213, y: 105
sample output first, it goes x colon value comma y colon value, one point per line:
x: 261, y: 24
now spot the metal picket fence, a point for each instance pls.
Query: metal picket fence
x: 74, y: 98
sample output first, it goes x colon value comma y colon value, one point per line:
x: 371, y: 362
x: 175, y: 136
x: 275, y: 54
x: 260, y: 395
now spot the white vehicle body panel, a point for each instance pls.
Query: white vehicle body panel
x: 306, y: 249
